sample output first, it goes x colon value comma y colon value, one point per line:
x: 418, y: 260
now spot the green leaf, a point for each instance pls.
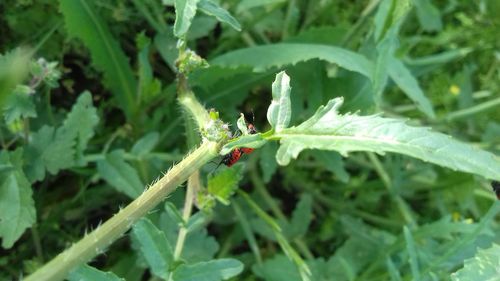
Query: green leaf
x: 407, y: 82
x: 301, y: 217
x: 149, y: 87
x: 120, y: 175
x: 267, y: 160
x: 19, y: 104
x: 428, y: 15
x: 332, y: 161
x: 213, y: 9
x: 223, y: 184
x: 199, y: 246
x: 280, y: 109
x: 13, y: 70
x: 88, y: 273
x: 290, y: 252
x: 250, y: 141
x: 79, y: 125
x: 328, y: 130
x: 214, y: 270
x: 245, y: 5
x: 412, y: 252
x: 154, y: 246
x: 185, y: 10
x: 83, y: 22
x: 53, y: 150
x: 145, y: 144
x: 279, y: 268
x: 485, y: 265
x: 261, y: 58
x: 390, y: 15
x: 17, y: 208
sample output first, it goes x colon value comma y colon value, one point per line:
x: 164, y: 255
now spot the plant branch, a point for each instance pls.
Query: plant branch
x: 97, y: 241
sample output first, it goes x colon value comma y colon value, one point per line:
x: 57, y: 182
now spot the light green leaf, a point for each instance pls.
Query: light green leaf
x: 185, y: 10
x: 145, y: 144
x: 485, y: 265
x: 19, y: 104
x: 214, y: 270
x: 428, y: 15
x: 107, y: 56
x: 241, y: 123
x: 213, y: 9
x: 280, y: 109
x: 328, y: 130
x: 261, y: 58
x: 13, y: 70
x: 407, y: 82
x: 223, y: 184
x: 154, y: 246
x: 120, y: 175
x: 88, y: 273
x: 17, y: 208
x: 250, y: 141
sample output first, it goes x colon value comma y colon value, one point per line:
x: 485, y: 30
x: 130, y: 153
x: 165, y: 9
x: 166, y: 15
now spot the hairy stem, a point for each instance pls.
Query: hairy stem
x: 97, y: 241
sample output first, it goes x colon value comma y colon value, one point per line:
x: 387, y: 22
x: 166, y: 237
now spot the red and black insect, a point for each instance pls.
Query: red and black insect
x: 232, y: 157
x: 495, y: 185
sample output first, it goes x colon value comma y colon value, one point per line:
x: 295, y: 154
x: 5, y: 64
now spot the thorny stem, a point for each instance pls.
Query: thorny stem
x: 98, y: 240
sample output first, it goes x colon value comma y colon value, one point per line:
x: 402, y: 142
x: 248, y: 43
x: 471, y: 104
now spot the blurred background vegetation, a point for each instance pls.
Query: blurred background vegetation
x: 364, y: 217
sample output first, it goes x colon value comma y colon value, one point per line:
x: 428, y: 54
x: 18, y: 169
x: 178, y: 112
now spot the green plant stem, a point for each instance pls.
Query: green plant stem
x: 474, y: 110
x: 261, y: 189
x: 98, y: 240
x: 193, y: 185
x: 369, y: 9
x: 36, y: 242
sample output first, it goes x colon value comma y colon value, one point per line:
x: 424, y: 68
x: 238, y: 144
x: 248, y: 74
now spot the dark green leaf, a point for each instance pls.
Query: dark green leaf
x: 301, y: 217
x: 53, y: 150
x: 83, y: 22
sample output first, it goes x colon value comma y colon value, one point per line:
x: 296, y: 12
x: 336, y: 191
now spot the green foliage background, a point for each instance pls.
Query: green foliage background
x: 82, y: 137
